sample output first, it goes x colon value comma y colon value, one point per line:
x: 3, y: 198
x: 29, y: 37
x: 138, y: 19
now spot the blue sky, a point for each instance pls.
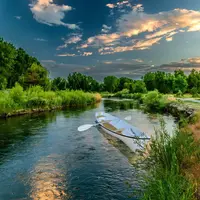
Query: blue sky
x: 105, y: 37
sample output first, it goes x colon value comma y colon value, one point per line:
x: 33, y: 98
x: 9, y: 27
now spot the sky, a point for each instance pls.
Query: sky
x: 105, y: 37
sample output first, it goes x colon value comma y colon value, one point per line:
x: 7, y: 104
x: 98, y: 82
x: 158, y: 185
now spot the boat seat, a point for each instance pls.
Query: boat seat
x: 100, y: 116
x: 112, y: 128
x: 120, y: 130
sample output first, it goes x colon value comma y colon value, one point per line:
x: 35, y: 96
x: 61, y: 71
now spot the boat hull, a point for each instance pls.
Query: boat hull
x: 130, y: 140
x: 131, y: 143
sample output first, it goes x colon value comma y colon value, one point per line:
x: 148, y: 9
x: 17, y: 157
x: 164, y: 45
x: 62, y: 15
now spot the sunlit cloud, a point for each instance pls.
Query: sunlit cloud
x: 47, y: 12
x: 169, y: 39
x: 137, y: 30
x: 75, y: 38
x: 109, y: 5
x: 87, y: 53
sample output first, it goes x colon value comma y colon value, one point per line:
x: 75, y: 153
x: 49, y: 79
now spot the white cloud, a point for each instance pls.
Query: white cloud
x: 105, y: 28
x: 75, y: 38
x: 137, y: 30
x: 67, y: 55
x: 18, y: 17
x: 40, y: 40
x: 138, y: 60
x: 87, y: 54
x: 47, y: 12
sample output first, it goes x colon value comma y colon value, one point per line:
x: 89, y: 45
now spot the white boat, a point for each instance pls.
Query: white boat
x: 130, y: 135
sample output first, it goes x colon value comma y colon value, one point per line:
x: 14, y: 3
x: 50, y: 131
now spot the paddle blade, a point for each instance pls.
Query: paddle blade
x: 85, y: 127
x: 128, y: 118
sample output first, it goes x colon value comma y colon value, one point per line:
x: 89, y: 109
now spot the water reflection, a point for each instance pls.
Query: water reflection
x: 111, y: 105
x: 48, y: 179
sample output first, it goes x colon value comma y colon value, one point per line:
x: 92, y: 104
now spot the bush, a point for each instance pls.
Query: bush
x: 168, y: 157
x: 121, y: 93
x: 35, y: 97
x: 154, y: 101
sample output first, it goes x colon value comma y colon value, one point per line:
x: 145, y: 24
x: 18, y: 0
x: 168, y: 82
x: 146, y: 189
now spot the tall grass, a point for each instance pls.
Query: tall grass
x: 168, y: 161
x: 16, y: 99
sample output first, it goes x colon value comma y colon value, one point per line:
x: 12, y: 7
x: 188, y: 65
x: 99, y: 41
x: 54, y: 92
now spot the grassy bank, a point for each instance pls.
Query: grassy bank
x: 172, y: 164
x: 17, y: 101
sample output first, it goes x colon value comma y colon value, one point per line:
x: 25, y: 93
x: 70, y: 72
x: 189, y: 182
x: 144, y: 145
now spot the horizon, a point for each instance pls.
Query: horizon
x: 107, y: 37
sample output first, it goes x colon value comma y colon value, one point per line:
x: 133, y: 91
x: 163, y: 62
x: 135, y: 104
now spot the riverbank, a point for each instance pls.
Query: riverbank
x: 173, y: 162
x: 17, y: 101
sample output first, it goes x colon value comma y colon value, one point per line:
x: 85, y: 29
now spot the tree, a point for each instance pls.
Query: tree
x: 7, y: 59
x: 111, y: 83
x: 59, y: 84
x: 138, y: 87
x: 149, y: 80
x: 123, y: 81
x: 194, y: 81
x: 35, y: 75
x: 180, y: 83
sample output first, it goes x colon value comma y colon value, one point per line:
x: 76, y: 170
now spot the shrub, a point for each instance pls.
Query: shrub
x: 154, y: 101
x: 168, y: 157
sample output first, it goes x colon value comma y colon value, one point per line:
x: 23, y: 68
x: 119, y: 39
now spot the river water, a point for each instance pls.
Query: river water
x: 44, y: 157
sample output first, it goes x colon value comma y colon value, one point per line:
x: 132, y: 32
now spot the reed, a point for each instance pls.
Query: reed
x: 170, y: 158
x: 16, y: 99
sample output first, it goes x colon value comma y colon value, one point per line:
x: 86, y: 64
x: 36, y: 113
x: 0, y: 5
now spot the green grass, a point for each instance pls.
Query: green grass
x: 169, y: 158
x: 16, y: 99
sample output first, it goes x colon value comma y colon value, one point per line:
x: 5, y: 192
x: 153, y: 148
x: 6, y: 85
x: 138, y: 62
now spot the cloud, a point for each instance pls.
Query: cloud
x: 169, y: 39
x: 87, y: 54
x: 137, y: 30
x: 75, y: 38
x: 118, y: 4
x: 67, y: 55
x: 47, y: 12
x: 18, y: 17
x: 195, y: 60
x: 40, y: 40
x: 109, y: 5
x: 138, y: 60
x: 48, y: 61
x: 105, y: 28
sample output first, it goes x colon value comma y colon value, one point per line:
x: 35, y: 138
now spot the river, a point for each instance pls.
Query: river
x: 43, y: 157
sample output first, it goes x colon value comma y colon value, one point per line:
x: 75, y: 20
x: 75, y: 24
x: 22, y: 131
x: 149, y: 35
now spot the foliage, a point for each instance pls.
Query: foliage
x: 111, y: 83
x: 35, y: 97
x: 35, y: 75
x: 154, y: 101
x: 78, y: 81
x: 13, y: 64
x: 138, y: 87
x: 168, y: 157
x: 59, y: 84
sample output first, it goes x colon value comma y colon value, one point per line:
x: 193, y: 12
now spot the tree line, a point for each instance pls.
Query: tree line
x: 17, y: 66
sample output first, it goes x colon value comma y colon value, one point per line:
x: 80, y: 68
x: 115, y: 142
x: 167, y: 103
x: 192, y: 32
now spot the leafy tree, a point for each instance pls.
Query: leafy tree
x: 123, y: 81
x: 111, y: 83
x: 149, y: 80
x: 3, y: 82
x: 7, y: 59
x: 35, y: 75
x: 194, y: 80
x: 59, y: 84
x: 180, y: 83
x: 138, y: 87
